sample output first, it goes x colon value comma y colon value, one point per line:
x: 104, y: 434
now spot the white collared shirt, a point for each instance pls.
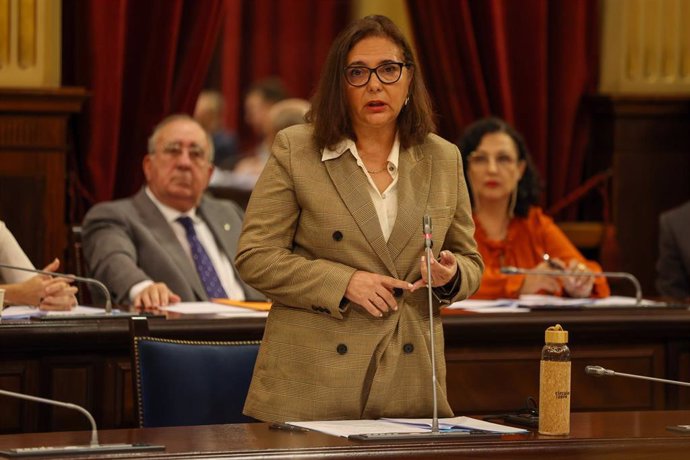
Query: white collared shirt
x: 386, y: 203
x: 220, y: 261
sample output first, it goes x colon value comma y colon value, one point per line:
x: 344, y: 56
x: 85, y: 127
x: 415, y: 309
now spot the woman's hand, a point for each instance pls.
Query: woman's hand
x: 442, y: 270
x: 578, y: 286
x: 374, y: 292
x: 44, y: 291
x: 539, y: 284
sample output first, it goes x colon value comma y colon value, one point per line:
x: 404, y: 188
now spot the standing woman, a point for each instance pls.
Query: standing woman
x: 333, y: 234
x: 511, y: 228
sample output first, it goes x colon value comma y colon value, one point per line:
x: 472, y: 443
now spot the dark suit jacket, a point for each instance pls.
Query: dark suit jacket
x: 309, y: 226
x: 673, y: 266
x: 129, y: 241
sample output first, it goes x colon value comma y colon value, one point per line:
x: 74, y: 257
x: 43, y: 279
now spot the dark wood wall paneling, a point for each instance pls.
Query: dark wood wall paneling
x: 647, y: 141
x: 33, y: 146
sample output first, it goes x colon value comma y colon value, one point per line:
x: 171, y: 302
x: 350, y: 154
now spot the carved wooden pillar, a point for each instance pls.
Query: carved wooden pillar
x: 33, y: 147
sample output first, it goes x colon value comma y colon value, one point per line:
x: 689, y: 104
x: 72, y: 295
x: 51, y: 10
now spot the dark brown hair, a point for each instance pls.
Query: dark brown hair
x: 329, y: 112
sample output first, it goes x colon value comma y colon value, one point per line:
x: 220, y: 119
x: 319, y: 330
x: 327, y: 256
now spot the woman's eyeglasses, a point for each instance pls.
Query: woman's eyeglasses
x: 387, y: 73
x: 481, y: 160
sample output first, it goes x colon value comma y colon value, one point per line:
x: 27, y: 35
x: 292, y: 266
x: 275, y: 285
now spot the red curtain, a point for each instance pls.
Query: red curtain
x: 140, y: 61
x: 263, y: 38
x: 529, y: 62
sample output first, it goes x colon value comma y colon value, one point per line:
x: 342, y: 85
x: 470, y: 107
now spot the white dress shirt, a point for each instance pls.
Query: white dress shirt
x: 386, y: 202
x: 220, y: 261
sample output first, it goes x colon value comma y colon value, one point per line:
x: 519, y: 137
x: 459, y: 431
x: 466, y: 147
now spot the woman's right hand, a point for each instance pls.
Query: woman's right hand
x: 43, y: 291
x: 540, y: 284
x: 374, y: 292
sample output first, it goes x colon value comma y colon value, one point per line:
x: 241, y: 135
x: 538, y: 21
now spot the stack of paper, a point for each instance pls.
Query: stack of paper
x: 345, y: 428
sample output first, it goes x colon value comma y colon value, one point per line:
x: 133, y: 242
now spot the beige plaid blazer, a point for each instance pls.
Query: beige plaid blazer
x: 309, y: 226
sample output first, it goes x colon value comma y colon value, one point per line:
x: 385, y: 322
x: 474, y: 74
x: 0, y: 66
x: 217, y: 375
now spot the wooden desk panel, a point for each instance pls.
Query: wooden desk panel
x: 493, y: 362
x: 611, y: 436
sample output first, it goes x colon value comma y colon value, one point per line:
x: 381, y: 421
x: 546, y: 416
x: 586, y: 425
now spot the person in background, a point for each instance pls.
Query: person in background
x: 24, y: 288
x: 210, y: 113
x: 282, y: 115
x: 511, y: 230
x: 261, y: 96
x: 169, y: 242
x: 333, y: 235
x: 673, y: 265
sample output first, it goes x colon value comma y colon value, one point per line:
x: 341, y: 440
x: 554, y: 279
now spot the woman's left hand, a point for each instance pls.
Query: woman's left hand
x: 442, y: 270
x: 578, y: 286
x: 59, y: 295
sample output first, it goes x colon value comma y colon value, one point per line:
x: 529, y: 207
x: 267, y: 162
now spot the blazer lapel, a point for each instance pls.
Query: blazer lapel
x: 160, y: 229
x: 414, y: 184
x: 352, y: 185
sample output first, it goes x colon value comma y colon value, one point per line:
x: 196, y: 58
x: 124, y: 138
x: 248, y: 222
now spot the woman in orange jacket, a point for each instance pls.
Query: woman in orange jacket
x: 510, y: 229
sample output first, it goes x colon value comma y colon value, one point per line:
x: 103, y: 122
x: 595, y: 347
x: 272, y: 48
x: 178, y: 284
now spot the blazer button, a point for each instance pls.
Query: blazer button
x: 408, y: 348
x: 341, y: 349
x: 397, y: 292
x: 337, y: 235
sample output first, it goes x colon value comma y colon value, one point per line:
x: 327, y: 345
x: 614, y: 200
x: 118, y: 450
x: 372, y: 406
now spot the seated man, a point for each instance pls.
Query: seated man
x: 169, y: 242
x: 673, y: 266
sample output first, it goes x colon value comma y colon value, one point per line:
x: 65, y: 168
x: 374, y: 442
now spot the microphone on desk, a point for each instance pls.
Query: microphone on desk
x: 101, y: 286
x: 560, y: 273
x: 599, y: 371
x: 93, y: 446
x: 435, y: 432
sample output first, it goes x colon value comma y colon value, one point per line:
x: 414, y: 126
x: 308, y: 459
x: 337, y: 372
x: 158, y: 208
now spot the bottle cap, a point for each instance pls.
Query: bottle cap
x: 556, y: 334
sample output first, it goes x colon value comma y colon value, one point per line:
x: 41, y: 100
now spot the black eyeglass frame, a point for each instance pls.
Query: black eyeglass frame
x: 374, y: 70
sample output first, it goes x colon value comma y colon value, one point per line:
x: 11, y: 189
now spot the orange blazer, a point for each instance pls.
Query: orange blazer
x: 527, y: 240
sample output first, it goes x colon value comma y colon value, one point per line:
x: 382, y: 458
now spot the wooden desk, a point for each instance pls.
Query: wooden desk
x: 603, y: 435
x: 492, y: 359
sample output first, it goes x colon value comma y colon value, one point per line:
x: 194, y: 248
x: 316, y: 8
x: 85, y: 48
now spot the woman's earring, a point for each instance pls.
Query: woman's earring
x: 513, y: 203
x: 407, y: 99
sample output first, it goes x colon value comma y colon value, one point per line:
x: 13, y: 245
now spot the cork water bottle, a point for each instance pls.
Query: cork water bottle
x: 554, y: 383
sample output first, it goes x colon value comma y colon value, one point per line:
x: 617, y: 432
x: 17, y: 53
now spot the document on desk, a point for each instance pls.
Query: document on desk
x: 459, y: 423
x: 25, y: 312
x: 489, y: 306
x: 213, y: 309
x: 345, y: 428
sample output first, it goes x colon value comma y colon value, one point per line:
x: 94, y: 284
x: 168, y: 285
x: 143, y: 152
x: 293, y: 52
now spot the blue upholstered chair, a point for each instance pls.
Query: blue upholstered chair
x: 181, y: 382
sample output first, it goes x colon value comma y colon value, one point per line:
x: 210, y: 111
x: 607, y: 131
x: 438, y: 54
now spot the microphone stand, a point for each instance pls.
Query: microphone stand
x: 101, y: 286
x: 92, y: 447
x: 429, y: 254
x: 628, y: 276
x: 599, y: 371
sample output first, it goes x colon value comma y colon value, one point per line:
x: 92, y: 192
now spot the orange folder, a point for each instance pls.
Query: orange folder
x: 261, y: 306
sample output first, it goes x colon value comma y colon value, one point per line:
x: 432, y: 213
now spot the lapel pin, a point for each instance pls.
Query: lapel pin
x: 226, y: 227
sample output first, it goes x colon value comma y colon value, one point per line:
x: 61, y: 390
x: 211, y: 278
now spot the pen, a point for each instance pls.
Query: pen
x: 286, y: 427
x: 547, y: 258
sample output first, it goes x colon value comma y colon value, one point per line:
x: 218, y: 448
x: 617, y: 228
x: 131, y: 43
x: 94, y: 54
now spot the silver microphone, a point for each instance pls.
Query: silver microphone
x: 101, y: 286
x: 509, y: 270
x: 599, y: 371
x: 93, y: 446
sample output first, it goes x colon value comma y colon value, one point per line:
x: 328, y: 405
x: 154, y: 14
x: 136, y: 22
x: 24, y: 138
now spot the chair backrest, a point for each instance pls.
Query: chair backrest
x: 181, y: 382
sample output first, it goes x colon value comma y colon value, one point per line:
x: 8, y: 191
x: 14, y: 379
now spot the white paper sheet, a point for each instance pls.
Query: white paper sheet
x: 215, y: 309
x: 345, y: 428
x: 19, y: 312
x: 460, y: 422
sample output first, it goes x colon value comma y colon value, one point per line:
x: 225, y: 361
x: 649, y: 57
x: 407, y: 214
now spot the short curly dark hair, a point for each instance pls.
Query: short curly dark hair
x: 529, y: 186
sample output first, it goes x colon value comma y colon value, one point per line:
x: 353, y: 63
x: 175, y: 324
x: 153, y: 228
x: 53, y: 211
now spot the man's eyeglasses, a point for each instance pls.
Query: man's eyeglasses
x: 481, y: 160
x: 387, y: 73
x: 176, y: 149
